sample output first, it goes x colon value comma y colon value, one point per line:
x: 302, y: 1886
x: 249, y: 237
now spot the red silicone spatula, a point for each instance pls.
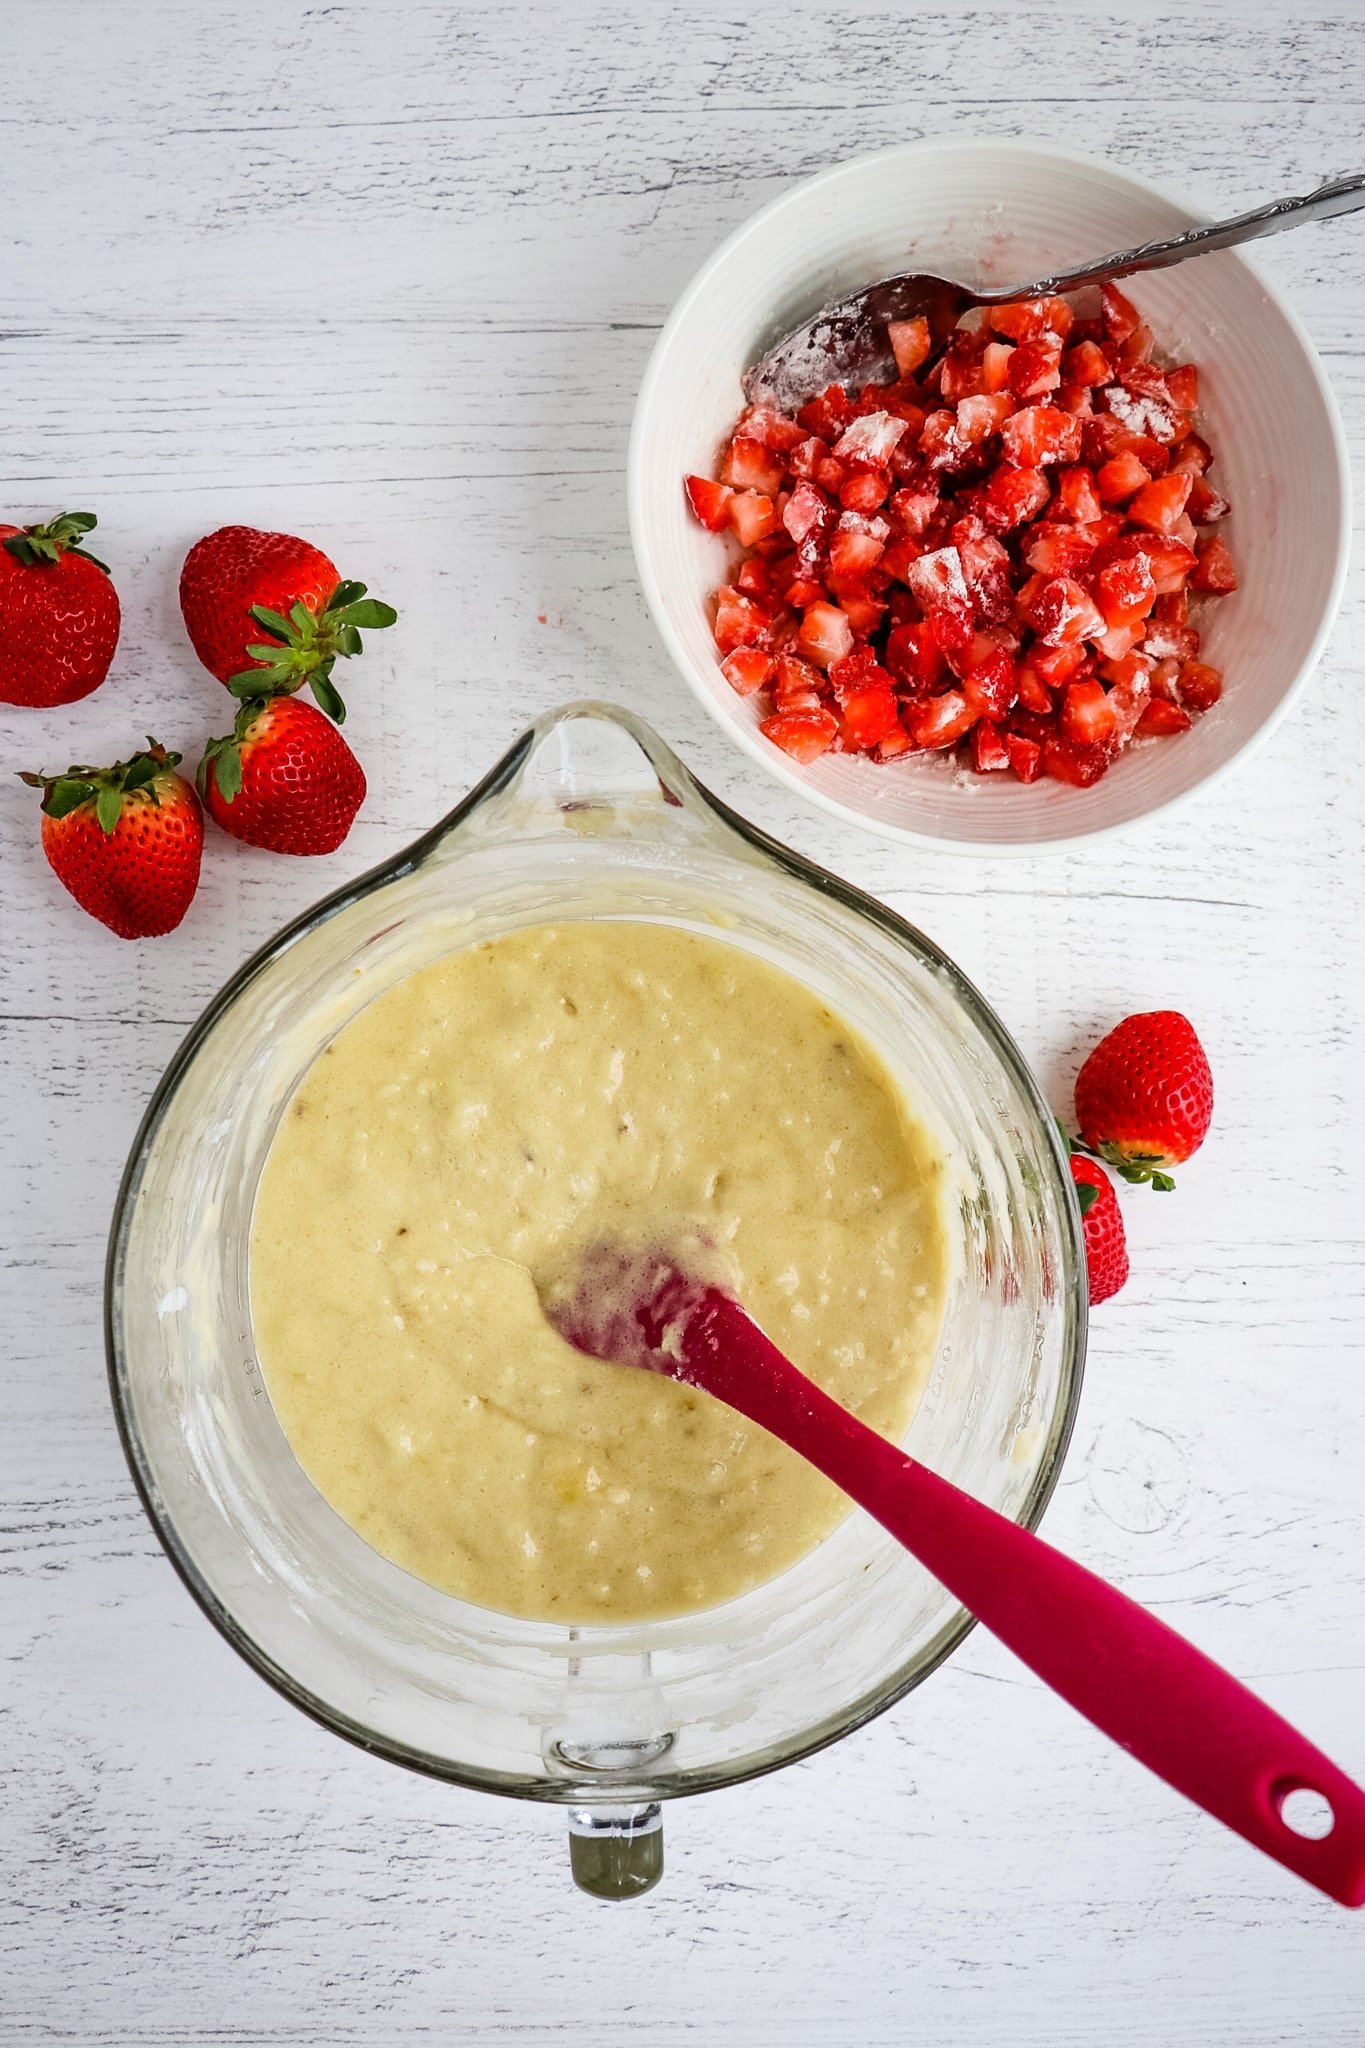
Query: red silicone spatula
x: 1139, y: 1682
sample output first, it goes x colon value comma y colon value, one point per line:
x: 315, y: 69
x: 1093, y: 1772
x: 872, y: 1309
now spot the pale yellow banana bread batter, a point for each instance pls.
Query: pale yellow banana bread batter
x: 471, y: 1129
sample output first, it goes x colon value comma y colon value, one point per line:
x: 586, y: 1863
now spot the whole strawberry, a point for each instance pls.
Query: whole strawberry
x: 59, y: 613
x: 283, y: 778
x: 1144, y: 1098
x: 267, y: 612
x: 125, y: 841
x: 1106, y: 1249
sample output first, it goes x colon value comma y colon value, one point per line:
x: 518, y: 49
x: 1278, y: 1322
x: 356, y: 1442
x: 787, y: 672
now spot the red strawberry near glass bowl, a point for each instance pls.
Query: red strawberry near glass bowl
x: 267, y: 611
x: 964, y: 771
x: 1106, y: 1245
x: 59, y: 613
x: 1144, y: 1097
x: 125, y: 841
x: 283, y: 779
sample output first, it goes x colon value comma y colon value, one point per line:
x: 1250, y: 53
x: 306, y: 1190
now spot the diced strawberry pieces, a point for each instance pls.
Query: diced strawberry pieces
x: 995, y: 366
x: 942, y: 443
x: 914, y: 657
x: 1128, y: 699
x: 1075, y: 399
x: 749, y: 466
x: 1200, y: 686
x: 1125, y: 591
x: 753, y: 517
x: 805, y: 735
x: 914, y: 509
x: 960, y: 371
x: 885, y: 553
x: 806, y: 512
x: 986, y: 568
x: 1025, y: 320
x: 1059, y: 609
x: 870, y: 440
x: 982, y: 415
x: 1160, y: 503
x: 1086, y: 364
x: 739, y: 621
x: 1034, y: 693
x: 1138, y: 346
x: 1120, y: 478
x: 898, y: 556
x: 1025, y: 756
x: 1079, y: 497
x: 1204, y: 504
x: 825, y: 634
x: 992, y: 686
x: 1014, y: 495
x: 1116, y: 641
x: 934, y: 722
x: 910, y: 343
x: 1195, y: 455
x: 1086, y: 716
x: 710, y: 502
x: 747, y: 670
x: 828, y: 414
x: 1171, y: 643
x: 1066, y: 761
x: 1160, y: 719
x: 1214, y: 570
x: 937, y: 577
x: 1166, y: 680
x: 868, y: 716
x: 773, y: 429
x: 857, y: 546
x: 1120, y: 316
x: 807, y: 456
x: 1183, y: 385
x: 1059, y: 549
x: 796, y: 685
x: 865, y: 490
x: 989, y: 752
x: 1035, y: 368
x: 864, y: 614
x: 1039, y: 435
x: 1169, y: 560
x: 859, y: 670
x: 1056, y: 665
x: 1148, y: 418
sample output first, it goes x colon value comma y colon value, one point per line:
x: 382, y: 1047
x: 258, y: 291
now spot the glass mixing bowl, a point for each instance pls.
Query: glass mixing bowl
x: 589, y: 816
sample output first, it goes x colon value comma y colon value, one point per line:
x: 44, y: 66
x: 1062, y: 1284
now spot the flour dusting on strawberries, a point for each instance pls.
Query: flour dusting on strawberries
x: 995, y: 553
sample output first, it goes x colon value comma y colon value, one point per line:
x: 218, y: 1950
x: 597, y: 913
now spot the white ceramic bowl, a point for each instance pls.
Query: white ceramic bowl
x: 996, y: 212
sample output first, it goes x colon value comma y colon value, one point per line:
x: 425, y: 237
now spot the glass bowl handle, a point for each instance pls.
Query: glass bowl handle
x: 616, y: 1852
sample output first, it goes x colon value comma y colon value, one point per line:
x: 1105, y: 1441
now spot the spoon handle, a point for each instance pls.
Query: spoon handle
x: 1139, y: 1682
x: 1338, y: 195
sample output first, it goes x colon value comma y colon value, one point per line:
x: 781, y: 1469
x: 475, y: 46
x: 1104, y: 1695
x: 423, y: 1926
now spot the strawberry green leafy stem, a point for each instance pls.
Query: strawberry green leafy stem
x: 61, y: 536
x: 106, y: 787
x: 1138, y: 1168
x: 304, y: 647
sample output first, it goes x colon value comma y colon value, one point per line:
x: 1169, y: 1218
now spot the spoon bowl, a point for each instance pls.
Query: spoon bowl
x: 847, y: 342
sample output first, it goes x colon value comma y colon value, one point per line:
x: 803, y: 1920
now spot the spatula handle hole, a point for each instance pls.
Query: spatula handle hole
x: 1304, y: 1810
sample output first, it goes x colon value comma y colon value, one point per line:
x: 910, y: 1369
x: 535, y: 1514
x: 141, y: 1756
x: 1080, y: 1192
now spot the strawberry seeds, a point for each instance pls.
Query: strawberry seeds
x: 997, y: 555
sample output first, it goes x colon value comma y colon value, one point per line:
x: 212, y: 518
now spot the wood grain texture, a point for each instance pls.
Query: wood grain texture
x: 389, y: 276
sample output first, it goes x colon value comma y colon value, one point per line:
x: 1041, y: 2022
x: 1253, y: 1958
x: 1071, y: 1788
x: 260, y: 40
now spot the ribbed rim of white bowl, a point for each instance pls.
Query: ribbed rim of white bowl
x: 770, y: 758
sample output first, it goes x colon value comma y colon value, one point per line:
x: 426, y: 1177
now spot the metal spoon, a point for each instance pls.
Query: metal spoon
x: 1140, y: 1683
x: 846, y: 343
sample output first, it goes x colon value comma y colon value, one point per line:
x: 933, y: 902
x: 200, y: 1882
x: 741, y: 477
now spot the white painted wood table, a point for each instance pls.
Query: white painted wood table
x: 388, y: 276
